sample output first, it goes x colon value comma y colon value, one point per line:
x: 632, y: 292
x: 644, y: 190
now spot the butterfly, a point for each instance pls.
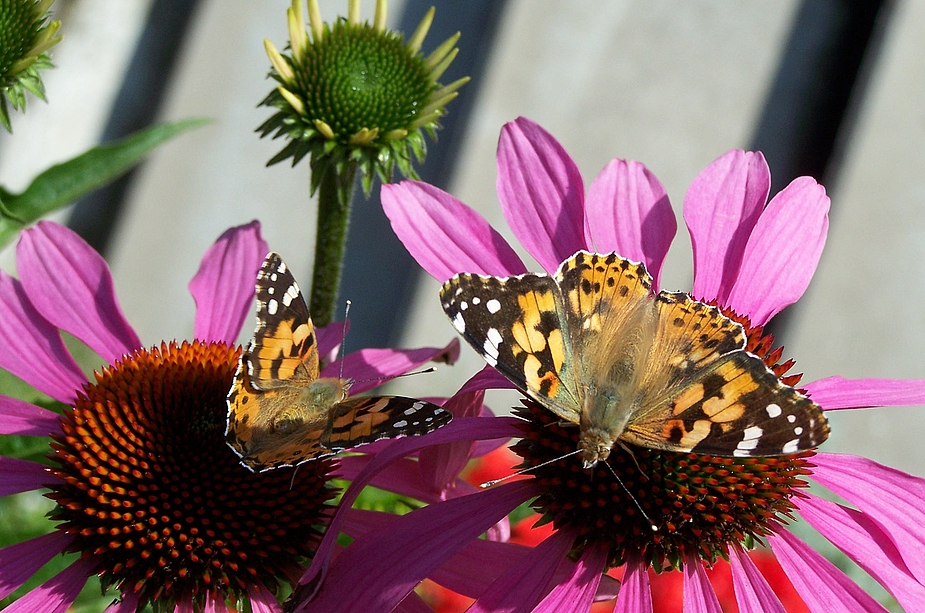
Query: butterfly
x: 595, y: 346
x: 280, y: 413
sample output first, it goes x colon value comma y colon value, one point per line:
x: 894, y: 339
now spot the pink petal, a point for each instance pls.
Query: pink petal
x: 22, y: 476
x: 892, y: 498
x: 782, y: 252
x: 541, y: 193
x: 629, y: 212
x: 635, y: 595
x: 184, y: 604
x: 577, y: 591
x: 59, y: 592
x: 444, y: 235
x: 753, y: 594
x: 369, y: 368
x: 32, y: 349
x: 840, y: 393
x: 477, y: 565
x: 441, y: 464
x: 262, y: 600
x: 486, y: 379
x: 864, y: 542
x: 699, y: 595
x: 18, y: 417
x: 823, y: 587
x: 69, y: 283
x: 20, y: 561
x: 466, y: 428
x: 387, y: 565
x: 527, y: 581
x: 223, y: 287
x: 721, y: 207
x: 329, y: 338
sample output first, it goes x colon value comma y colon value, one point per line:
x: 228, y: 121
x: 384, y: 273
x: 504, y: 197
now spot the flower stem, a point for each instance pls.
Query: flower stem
x: 335, y: 192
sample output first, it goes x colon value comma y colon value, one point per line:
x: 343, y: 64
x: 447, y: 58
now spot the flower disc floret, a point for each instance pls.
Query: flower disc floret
x: 149, y: 489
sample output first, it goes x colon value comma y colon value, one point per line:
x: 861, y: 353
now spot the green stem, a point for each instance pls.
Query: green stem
x: 335, y: 193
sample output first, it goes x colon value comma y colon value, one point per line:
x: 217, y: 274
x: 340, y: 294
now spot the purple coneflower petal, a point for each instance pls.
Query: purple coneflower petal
x: 223, y: 287
x: 441, y: 464
x: 416, y: 544
x: 892, y: 498
x: 59, y: 592
x: 32, y: 349
x: 369, y: 368
x: 577, y: 591
x: 20, y: 561
x: 721, y: 207
x: 330, y: 337
x: 21, y: 476
x: 862, y: 540
x: 782, y: 251
x: 699, y: 595
x: 444, y: 235
x: 69, y: 283
x: 527, y: 581
x: 821, y: 585
x: 262, y: 600
x: 184, y: 604
x: 629, y: 212
x: 753, y: 594
x: 542, y: 193
x: 18, y: 417
x: 840, y: 393
x: 635, y: 594
x: 486, y: 379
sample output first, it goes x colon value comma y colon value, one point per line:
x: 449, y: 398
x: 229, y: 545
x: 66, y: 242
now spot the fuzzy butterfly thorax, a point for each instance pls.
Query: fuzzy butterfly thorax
x: 595, y: 346
x: 280, y: 413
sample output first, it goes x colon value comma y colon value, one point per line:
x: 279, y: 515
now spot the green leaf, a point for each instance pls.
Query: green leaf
x: 63, y: 183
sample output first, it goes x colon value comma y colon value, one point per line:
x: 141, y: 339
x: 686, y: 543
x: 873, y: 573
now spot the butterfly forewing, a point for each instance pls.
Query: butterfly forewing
x: 358, y: 421
x: 514, y: 323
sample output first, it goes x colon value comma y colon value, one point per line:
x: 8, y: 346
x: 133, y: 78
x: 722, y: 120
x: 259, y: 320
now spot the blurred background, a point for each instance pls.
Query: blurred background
x: 833, y: 89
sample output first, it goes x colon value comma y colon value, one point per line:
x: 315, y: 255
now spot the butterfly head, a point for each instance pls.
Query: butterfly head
x: 593, y: 447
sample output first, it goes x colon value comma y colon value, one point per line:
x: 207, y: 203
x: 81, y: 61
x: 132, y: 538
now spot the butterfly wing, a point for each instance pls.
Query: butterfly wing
x: 514, y: 324
x: 702, y: 391
x: 278, y: 364
x: 365, y: 419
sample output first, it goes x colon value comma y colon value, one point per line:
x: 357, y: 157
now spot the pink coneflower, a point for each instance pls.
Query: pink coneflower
x: 752, y: 258
x: 146, y: 489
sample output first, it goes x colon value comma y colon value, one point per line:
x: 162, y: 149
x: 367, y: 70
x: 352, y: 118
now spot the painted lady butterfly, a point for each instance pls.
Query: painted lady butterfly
x: 594, y: 346
x: 280, y: 413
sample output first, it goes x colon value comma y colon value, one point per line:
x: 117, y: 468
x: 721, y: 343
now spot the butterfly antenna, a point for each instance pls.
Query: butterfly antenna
x: 343, y: 340
x: 488, y: 484
x: 292, y: 481
x: 627, y: 490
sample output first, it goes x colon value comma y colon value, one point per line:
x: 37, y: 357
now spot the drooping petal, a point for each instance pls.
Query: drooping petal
x: 32, y: 349
x: 753, y: 594
x: 859, y: 537
x: 441, y: 464
x: 635, y: 595
x: 840, y: 393
x: 576, y: 592
x: 370, y: 368
x: 892, y: 498
x: 20, y: 561
x: 523, y: 586
x: 223, y: 287
x: 541, y: 193
x: 721, y: 207
x: 58, y: 593
x: 329, y: 338
x: 699, y: 595
x: 18, y: 417
x: 414, y: 545
x: 823, y: 587
x: 782, y: 251
x: 262, y: 600
x: 629, y: 212
x: 444, y: 235
x: 486, y: 379
x: 69, y: 283
x: 21, y: 476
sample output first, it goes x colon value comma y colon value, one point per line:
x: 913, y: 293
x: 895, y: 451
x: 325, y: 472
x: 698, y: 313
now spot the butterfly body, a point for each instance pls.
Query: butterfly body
x: 281, y: 413
x: 596, y: 347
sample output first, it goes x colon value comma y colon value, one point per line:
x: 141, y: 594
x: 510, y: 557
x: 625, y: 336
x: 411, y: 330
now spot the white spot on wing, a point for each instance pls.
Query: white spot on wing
x: 476, y: 300
x: 750, y: 438
x: 773, y: 410
x: 400, y: 424
x: 272, y: 307
x: 493, y: 306
x: 459, y: 323
x: 791, y: 446
x: 798, y: 430
x: 490, y: 348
